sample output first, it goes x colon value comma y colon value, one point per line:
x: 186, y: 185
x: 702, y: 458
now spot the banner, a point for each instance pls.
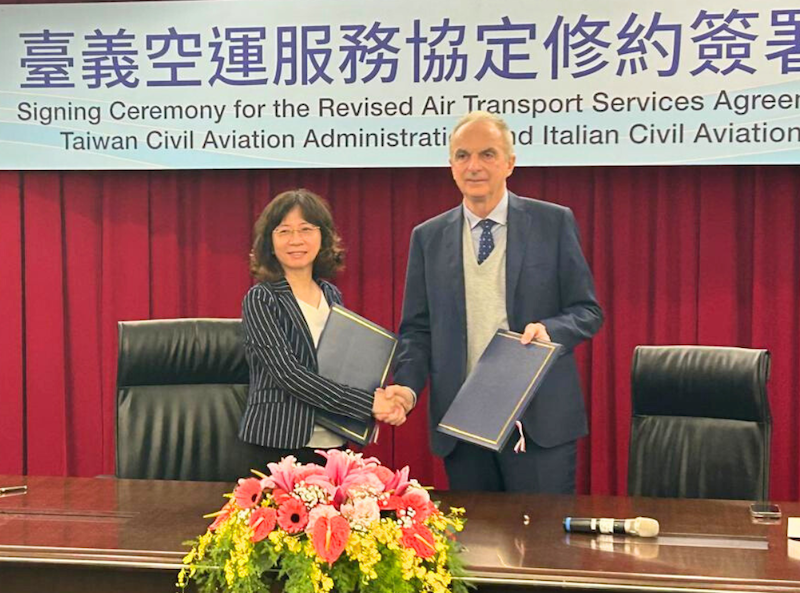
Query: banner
x: 354, y: 83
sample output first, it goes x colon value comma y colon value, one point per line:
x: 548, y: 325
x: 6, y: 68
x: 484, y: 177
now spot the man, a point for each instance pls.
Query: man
x: 497, y: 261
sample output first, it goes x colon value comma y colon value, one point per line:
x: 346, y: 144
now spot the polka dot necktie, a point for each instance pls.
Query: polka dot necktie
x: 486, y: 243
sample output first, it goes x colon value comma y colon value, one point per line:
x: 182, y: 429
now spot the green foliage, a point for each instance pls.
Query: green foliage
x: 390, y: 576
x: 346, y: 575
x: 295, y: 570
x: 455, y: 564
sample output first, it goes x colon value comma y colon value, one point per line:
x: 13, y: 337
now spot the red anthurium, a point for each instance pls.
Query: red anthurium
x: 330, y: 537
x: 420, y: 539
x: 221, y: 516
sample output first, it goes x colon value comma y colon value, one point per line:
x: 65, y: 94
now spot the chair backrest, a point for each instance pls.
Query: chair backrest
x: 701, y: 424
x: 181, y: 391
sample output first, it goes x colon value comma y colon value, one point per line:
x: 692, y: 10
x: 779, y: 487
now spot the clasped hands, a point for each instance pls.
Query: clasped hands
x: 392, y: 404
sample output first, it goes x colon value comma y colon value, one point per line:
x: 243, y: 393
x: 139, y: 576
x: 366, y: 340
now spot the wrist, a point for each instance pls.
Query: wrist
x: 410, y: 401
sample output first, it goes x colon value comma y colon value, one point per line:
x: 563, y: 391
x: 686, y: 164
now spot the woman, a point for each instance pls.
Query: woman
x: 295, y: 245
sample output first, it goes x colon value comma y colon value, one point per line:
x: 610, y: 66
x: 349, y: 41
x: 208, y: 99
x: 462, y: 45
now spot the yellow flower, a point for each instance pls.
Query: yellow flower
x: 321, y: 581
x: 190, y: 556
x: 438, y: 522
x: 434, y: 582
x: 408, y: 563
x: 202, y: 544
x: 363, y: 548
x: 276, y: 539
x: 230, y: 573
x: 292, y: 544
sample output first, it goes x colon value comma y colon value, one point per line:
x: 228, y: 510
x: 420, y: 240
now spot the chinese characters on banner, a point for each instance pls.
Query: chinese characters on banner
x: 265, y: 84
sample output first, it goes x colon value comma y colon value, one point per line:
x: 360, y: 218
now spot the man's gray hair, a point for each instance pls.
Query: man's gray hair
x: 494, y: 119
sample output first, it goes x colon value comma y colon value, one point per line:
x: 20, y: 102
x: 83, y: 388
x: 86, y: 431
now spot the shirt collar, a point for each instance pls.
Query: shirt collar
x: 499, y: 214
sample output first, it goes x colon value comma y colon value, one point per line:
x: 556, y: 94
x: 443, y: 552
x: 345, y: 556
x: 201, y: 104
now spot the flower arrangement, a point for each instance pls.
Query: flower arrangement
x: 350, y: 525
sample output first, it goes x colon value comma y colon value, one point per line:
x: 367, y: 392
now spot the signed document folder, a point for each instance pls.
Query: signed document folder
x: 356, y: 352
x: 498, y: 390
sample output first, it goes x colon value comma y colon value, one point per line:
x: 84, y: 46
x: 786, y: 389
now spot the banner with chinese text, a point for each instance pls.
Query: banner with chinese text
x: 354, y: 83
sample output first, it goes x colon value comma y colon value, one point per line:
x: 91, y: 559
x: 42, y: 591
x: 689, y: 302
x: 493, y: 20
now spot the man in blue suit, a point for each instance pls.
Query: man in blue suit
x: 497, y: 260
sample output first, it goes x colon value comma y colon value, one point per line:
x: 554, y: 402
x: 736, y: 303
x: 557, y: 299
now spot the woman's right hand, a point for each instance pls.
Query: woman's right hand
x: 388, y: 409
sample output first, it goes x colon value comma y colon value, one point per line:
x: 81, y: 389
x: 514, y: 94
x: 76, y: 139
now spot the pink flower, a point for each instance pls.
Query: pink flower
x: 330, y: 537
x: 384, y: 474
x: 322, y: 482
x: 315, y: 475
x: 308, y: 470
x: 268, y: 483
x: 340, y: 464
x: 319, y: 511
x: 280, y: 496
x: 361, y: 482
x: 399, y: 482
x: 420, y: 539
x: 417, y: 494
x: 248, y: 493
x: 292, y: 516
x: 362, y: 512
x: 284, y: 474
x: 262, y: 522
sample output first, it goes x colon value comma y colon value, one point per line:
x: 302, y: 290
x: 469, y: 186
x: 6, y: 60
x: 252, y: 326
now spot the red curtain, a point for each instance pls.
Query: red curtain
x: 705, y: 255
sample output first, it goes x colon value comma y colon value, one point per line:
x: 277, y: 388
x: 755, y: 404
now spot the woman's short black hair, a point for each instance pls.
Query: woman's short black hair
x: 330, y: 259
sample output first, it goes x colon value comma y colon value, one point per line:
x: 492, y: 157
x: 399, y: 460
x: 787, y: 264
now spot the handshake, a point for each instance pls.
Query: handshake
x: 392, y: 404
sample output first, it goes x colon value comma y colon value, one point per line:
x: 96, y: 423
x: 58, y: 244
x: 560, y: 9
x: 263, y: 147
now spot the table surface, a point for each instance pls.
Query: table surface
x: 518, y: 540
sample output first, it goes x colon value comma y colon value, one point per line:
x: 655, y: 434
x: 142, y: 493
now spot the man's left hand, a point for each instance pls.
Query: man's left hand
x: 534, y: 331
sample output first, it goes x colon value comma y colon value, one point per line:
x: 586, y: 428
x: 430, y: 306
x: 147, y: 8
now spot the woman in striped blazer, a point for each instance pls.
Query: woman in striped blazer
x: 295, y: 244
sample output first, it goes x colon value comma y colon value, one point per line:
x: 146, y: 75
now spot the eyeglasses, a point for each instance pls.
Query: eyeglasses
x: 306, y: 232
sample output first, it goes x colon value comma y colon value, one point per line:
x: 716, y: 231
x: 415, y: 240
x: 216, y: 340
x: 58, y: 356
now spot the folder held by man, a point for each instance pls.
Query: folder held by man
x: 498, y: 390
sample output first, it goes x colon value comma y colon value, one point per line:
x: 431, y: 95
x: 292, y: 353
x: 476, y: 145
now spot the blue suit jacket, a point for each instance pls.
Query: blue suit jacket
x: 285, y: 388
x: 547, y: 280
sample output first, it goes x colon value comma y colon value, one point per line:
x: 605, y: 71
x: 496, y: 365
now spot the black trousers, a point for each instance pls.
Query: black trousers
x: 544, y: 470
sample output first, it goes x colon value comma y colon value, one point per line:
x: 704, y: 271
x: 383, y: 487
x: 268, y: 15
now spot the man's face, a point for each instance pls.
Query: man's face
x: 480, y: 162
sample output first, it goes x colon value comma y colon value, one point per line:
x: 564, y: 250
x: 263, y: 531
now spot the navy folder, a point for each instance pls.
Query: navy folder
x: 356, y: 352
x: 498, y: 390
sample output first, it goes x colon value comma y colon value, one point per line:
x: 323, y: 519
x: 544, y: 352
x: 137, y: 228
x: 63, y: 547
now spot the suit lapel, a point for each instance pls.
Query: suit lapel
x: 452, y: 252
x: 519, y: 230
x: 306, y: 352
x: 454, y: 262
x: 329, y: 292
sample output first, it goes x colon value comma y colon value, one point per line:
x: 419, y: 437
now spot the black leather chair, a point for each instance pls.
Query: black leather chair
x: 701, y: 423
x: 181, y: 390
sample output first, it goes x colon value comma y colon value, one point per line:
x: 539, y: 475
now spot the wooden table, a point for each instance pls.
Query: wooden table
x: 70, y: 535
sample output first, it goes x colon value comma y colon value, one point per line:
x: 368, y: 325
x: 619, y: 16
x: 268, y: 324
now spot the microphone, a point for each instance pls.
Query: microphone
x: 641, y: 526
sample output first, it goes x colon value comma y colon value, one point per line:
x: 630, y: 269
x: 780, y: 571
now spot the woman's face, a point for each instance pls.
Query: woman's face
x: 296, y: 242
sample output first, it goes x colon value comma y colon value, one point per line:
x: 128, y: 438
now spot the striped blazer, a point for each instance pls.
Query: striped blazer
x: 285, y: 388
